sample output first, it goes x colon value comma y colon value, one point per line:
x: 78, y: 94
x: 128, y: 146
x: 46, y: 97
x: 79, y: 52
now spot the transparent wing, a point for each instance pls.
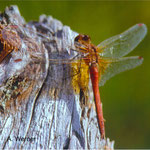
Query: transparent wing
x: 120, y: 65
x: 122, y: 44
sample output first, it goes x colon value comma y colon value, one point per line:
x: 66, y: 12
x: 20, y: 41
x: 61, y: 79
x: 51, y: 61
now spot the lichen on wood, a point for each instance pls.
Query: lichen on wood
x: 42, y: 110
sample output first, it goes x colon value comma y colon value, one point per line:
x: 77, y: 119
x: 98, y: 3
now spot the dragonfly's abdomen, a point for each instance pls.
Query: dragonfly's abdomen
x: 95, y: 84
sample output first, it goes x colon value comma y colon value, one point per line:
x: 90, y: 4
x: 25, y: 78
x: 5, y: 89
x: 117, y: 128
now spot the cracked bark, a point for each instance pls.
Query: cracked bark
x: 51, y: 115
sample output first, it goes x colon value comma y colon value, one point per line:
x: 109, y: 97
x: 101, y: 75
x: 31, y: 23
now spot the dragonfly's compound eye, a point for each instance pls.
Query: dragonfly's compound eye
x: 86, y: 38
x: 82, y: 38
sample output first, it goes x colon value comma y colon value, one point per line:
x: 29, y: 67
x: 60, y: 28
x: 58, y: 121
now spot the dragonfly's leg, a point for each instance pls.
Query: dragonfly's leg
x: 95, y: 84
x: 76, y: 56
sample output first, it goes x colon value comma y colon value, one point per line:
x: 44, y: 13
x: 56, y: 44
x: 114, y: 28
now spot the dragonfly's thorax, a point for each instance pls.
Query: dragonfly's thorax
x: 92, y: 56
x: 88, y: 51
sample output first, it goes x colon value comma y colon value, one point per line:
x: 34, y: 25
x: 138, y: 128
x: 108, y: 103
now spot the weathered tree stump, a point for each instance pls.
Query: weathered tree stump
x: 39, y: 108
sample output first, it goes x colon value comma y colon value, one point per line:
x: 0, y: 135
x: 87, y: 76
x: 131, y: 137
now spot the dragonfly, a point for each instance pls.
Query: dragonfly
x: 106, y: 60
x: 98, y: 63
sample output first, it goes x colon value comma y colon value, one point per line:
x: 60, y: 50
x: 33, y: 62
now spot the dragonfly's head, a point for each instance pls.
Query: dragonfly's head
x: 81, y: 40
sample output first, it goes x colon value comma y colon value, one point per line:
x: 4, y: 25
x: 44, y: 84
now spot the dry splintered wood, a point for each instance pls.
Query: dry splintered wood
x: 44, y: 112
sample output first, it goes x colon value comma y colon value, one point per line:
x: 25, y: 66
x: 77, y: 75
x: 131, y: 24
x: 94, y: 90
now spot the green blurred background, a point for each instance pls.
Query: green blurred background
x: 126, y: 97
